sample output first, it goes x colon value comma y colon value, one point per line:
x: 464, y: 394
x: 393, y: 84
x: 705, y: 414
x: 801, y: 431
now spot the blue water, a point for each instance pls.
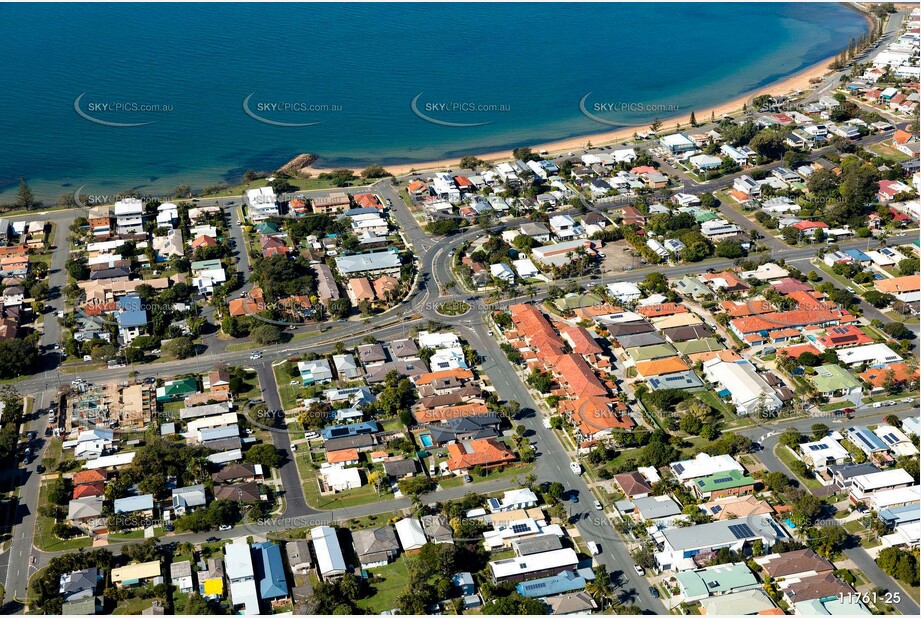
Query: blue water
x: 202, y: 60
x: 426, y: 440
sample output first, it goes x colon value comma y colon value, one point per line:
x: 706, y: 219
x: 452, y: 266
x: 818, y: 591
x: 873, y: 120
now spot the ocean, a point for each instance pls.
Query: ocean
x: 211, y: 90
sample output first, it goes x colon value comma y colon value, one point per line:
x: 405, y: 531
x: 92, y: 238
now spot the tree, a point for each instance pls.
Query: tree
x: 17, y: 357
x: 470, y: 162
x: 416, y: 485
x: 266, y: 334
x: 25, y: 200
x: 265, y: 454
x: 180, y: 347
x: 375, y: 171
x: 693, y: 120
x: 340, y: 307
x: 897, y: 330
x: 819, y: 431
x: 791, y: 439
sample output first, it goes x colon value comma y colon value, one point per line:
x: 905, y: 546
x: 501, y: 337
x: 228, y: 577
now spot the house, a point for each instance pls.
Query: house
x: 299, y: 558
x: 261, y: 203
x: 865, y: 486
x: 241, y: 575
x: 678, y: 546
x: 437, y: 529
x: 379, y: 262
x: 330, y: 562
x: 180, y: 574
x: 704, y: 465
x: 834, y: 381
x: 875, y: 354
x: 411, y: 534
x: 747, y: 390
x: 899, y: 444
x: 513, y: 500
x: 80, y: 584
x: 315, y: 371
x: 502, y: 272
x: 85, y: 511
x: 338, y: 478
x: 717, y: 580
x: 723, y: 484
x: 270, y: 572
x: 187, y: 499
x: 677, y: 143
x: 793, y: 565
x: 537, y: 565
x: 633, y: 484
x: 375, y: 547
x: 823, y: 453
x: 137, y: 574
x: 129, y: 216
x: 747, y: 602
x: 131, y: 317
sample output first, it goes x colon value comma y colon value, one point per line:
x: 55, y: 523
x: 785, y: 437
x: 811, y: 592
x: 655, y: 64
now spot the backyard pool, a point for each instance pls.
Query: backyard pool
x: 426, y: 440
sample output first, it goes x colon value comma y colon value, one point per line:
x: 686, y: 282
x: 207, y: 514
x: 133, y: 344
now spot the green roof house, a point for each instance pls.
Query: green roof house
x: 267, y: 227
x: 722, y: 484
x: 716, y: 580
x: 576, y: 301
x: 82, y: 607
x: 836, y: 381
x: 651, y: 352
x: 696, y: 346
x: 691, y: 286
x: 178, y: 389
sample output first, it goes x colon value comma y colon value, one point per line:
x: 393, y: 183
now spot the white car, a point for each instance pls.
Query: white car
x: 576, y: 467
x: 225, y: 527
x: 294, y: 447
x: 639, y: 570
x: 593, y: 548
x: 908, y: 400
x: 255, y: 356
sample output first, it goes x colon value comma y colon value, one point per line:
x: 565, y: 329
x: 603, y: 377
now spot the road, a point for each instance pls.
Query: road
x: 865, y: 414
x: 434, y: 272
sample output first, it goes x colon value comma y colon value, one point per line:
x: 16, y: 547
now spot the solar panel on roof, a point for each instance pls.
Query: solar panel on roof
x: 678, y: 468
x: 818, y: 447
x: 519, y: 528
x: 741, y: 531
x: 724, y: 479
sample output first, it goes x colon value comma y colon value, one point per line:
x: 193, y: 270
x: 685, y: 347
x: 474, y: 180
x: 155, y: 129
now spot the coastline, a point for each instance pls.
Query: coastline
x: 797, y: 81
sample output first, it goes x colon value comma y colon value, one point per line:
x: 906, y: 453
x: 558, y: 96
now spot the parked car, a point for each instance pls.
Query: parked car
x: 593, y: 548
x: 639, y: 570
x: 225, y: 527
x: 576, y: 467
x: 598, y: 506
x: 654, y: 592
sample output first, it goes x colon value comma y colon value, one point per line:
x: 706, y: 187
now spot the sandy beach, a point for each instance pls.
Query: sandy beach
x: 797, y: 82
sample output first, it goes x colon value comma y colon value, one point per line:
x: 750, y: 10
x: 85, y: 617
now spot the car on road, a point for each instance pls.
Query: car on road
x: 212, y: 539
x: 908, y: 399
x: 851, y: 290
x: 639, y: 570
x: 598, y: 506
x: 255, y: 356
x: 593, y: 548
x: 225, y: 527
x: 654, y: 592
x: 848, y: 410
x: 574, y: 499
x: 150, y: 380
x: 576, y: 467
x: 468, y: 478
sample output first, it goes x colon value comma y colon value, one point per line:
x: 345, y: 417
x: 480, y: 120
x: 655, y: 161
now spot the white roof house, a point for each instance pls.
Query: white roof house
x: 893, y: 498
x: 339, y: 478
x: 704, y: 465
x: 899, y: 443
x: 525, y: 268
x: 502, y: 271
x: 411, y: 534
x: 748, y: 391
x: 680, y: 545
x: 262, y: 203
x: 238, y: 566
x: 625, y: 291
x: 330, y: 562
x: 875, y: 354
x: 865, y: 485
x: 520, y: 567
x: 513, y: 500
x: 823, y: 453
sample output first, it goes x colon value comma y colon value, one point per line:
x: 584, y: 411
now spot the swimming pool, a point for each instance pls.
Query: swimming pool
x: 426, y: 440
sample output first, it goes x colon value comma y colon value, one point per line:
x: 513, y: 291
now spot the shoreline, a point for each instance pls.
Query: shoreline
x: 797, y: 81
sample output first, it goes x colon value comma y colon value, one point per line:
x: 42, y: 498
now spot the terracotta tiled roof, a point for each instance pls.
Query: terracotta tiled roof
x: 348, y: 454
x: 899, y: 285
x: 428, y: 378
x: 581, y: 340
x: 88, y: 476
x: 877, y: 376
x: 654, y: 311
x: 661, y: 367
x: 482, y: 452
x: 577, y: 377
x: 632, y: 483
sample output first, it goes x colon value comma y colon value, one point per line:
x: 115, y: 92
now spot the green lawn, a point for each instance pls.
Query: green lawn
x: 287, y: 391
x: 785, y: 455
x: 45, y: 539
x: 132, y: 606
x: 385, y: 592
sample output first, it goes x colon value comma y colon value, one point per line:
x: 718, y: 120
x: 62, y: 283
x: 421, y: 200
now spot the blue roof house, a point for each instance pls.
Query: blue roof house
x: 567, y: 581
x: 270, y: 572
x: 131, y: 317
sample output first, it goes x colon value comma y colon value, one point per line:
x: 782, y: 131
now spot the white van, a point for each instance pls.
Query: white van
x: 576, y: 467
x: 593, y: 548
